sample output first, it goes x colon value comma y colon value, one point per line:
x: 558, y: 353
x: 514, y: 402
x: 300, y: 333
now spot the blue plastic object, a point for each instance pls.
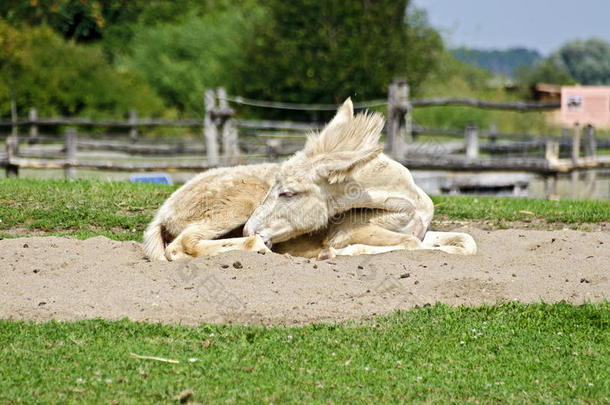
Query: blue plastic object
x: 155, y: 178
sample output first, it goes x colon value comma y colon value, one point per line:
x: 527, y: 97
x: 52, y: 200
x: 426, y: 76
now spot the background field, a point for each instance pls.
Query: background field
x: 121, y: 211
x: 508, y: 352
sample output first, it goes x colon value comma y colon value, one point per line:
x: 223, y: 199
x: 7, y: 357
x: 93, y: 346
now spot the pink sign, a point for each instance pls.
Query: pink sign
x: 585, y: 105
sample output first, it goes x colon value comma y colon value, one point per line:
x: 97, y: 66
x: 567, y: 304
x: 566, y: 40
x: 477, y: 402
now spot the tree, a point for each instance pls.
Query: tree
x: 114, y: 22
x: 587, y: 62
x: 504, y: 62
x: 181, y: 60
x: 545, y: 71
x: 313, y: 51
x: 60, y: 77
x: 11, y: 62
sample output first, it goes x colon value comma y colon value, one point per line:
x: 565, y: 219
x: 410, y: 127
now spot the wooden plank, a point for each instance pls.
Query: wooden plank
x: 133, y: 131
x: 590, y: 152
x: 70, y: 171
x: 109, y: 165
x: 392, y: 121
x: 33, y: 117
x: 534, y: 165
x: 210, y: 130
x: 11, y: 169
x: 521, y: 106
x: 575, y: 156
x: 146, y: 122
x: 230, y: 141
x: 286, y: 125
x: 471, y: 142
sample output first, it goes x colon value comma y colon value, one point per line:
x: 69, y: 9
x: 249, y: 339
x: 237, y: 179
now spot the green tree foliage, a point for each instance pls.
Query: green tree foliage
x: 60, y: 77
x: 454, y: 78
x: 325, y: 51
x: 113, y: 22
x: 504, y: 62
x: 581, y: 62
x: 588, y: 62
x: 11, y: 59
x: 545, y: 71
x: 181, y: 60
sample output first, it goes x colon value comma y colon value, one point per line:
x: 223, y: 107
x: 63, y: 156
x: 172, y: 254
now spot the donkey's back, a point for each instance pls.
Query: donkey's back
x: 216, y: 201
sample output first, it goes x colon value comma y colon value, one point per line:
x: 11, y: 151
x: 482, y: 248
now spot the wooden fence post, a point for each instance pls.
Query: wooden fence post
x: 33, y: 116
x: 402, y: 98
x: 575, y: 158
x: 493, y: 133
x: 471, y: 141
x: 210, y: 131
x: 551, y: 154
x: 273, y: 149
x: 576, y: 144
x: 69, y: 171
x: 408, y: 116
x: 230, y: 141
x: 590, y: 152
x: 397, y: 126
x: 133, y: 130
x: 590, y: 143
x: 12, y: 149
x: 12, y: 141
x: 391, y: 120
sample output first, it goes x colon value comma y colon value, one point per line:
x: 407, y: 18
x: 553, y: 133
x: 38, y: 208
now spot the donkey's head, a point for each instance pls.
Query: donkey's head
x: 305, y: 192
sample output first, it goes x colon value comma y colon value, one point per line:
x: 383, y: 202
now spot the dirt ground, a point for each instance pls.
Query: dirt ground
x: 58, y: 278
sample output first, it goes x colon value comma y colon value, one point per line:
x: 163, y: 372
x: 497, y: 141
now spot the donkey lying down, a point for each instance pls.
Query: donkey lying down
x: 340, y: 195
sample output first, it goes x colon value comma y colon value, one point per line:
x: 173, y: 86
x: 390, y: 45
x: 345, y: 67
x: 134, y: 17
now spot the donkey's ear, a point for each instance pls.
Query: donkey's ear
x: 344, y: 114
x: 337, y: 166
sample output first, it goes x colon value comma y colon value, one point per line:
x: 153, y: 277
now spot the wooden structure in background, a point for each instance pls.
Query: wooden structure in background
x: 278, y: 138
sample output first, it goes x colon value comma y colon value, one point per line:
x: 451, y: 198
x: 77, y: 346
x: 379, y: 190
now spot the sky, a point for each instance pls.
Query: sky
x: 543, y: 25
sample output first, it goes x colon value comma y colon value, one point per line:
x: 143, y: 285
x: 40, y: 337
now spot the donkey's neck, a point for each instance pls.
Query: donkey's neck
x: 367, y: 197
x: 381, y: 184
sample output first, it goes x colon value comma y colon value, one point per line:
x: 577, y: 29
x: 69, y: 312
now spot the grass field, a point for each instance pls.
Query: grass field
x: 121, y: 211
x: 506, y: 353
x: 509, y: 353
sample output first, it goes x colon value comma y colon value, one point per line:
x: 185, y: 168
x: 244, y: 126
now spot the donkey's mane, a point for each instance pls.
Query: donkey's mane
x: 360, y: 132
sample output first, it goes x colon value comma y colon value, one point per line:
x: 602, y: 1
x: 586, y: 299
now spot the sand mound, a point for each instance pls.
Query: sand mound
x: 66, y: 279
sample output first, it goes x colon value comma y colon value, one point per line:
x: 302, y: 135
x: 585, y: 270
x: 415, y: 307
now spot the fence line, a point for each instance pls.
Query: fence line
x: 301, y: 107
x: 520, y: 106
x: 219, y: 129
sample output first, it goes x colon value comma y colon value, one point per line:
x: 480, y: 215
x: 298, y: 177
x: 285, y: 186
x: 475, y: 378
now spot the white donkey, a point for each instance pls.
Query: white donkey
x: 338, y: 196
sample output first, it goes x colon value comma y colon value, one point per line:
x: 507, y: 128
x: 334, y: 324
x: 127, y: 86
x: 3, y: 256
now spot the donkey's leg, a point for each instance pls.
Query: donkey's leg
x: 211, y: 247
x: 367, y: 239
x: 194, y: 242
x: 371, y: 231
x: 451, y: 242
x: 359, y: 249
x: 179, y: 247
x: 184, y: 245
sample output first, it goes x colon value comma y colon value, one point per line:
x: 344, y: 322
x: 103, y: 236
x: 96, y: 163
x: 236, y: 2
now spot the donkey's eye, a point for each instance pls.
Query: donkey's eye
x: 287, y: 194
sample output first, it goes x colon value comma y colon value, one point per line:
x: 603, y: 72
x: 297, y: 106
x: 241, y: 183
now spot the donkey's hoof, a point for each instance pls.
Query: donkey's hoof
x: 256, y: 244
x: 326, y: 253
x: 173, y: 253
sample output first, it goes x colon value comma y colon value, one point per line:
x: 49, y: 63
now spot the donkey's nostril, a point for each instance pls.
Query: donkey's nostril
x: 268, y: 243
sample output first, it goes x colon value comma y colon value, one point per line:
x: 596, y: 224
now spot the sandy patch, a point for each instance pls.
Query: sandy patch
x: 58, y: 278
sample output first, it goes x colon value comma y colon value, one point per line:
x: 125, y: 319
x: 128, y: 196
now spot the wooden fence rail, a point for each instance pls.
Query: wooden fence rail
x: 222, y: 145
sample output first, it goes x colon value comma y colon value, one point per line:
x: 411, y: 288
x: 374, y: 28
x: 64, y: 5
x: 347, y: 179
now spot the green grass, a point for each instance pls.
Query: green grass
x: 515, y: 209
x: 121, y: 210
x: 118, y: 210
x: 494, y: 354
x: 504, y: 353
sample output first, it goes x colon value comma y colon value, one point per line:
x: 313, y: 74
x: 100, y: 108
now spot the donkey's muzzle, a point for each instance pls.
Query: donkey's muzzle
x: 251, y: 227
